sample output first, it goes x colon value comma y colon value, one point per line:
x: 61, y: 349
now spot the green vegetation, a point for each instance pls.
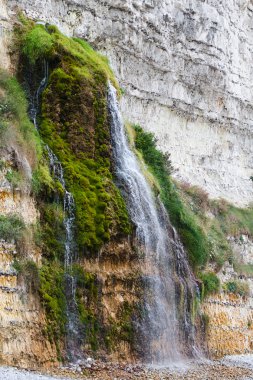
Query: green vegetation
x: 237, y: 287
x: 121, y: 328
x: 74, y: 123
x: 18, y: 132
x: 227, y: 220
x: 51, y: 232
x: 37, y: 43
x: 182, y: 218
x: 51, y: 276
x: 204, y: 238
x: 29, y: 271
x: 205, y: 320
x: 14, y: 117
x: 245, y: 270
x: 210, y: 283
x: 14, y: 177
x: 12, y: 228
x: 87, y: 302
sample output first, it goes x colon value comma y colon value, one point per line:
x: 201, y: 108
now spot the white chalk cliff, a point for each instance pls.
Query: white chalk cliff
x: 186, y: 69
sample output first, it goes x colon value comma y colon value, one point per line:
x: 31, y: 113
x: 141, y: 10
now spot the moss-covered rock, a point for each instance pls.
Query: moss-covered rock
x: 74, y: 123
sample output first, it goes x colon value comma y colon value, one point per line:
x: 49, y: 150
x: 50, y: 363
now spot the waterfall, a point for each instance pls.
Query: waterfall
x: 164, y: 263
x: 35, y: 100
x: 73, y: 325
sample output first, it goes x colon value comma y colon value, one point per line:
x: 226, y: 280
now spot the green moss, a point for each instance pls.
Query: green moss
x: 74, y: 124
x: 37, y: 43
x: 52, y: 231
x: 17, y: 130
x: 42, y: 181
x: 52, y: 295
x: 87, y: 303
x: 182, y: 218
x: 122, y: 327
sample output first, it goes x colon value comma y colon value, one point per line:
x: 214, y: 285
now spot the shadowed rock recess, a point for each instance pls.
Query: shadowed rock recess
x: 125, y: 130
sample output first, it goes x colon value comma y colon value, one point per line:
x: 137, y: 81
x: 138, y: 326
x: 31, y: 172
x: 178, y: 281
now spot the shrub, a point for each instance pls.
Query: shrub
x: 210, y: 283
x: 29, y: 271
x: 12, y: 228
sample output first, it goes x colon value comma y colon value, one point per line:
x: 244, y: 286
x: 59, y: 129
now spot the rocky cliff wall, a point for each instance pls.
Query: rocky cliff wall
x: 186, y: 77
x: 23, y: 341
x: 230, y: 315
x: 185, y: 68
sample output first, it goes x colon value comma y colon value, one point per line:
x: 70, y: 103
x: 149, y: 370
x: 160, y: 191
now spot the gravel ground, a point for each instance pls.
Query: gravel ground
x: 230, y: 368
x: 9, y: 373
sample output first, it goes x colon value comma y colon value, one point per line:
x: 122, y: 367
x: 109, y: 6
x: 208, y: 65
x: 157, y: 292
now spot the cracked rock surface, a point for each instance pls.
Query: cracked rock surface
x: 186, y: 70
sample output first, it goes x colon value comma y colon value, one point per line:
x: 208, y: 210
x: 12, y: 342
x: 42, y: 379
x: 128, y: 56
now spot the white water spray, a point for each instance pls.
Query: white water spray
x: 162, y: 263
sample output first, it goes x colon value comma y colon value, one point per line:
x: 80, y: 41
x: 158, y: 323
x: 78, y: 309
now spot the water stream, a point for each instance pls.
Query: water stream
x: 73, y: 324
x: 164, y: 264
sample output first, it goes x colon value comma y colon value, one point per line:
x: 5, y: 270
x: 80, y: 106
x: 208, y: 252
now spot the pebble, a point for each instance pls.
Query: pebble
x: 90, y: 369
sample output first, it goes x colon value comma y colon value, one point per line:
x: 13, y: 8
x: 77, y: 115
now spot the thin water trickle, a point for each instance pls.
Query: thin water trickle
x: 73, y: 324
x: 164, y: 257
x: 35, y: 101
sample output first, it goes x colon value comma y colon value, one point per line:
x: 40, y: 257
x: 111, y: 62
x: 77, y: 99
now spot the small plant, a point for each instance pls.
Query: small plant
x: 12, y: 228
x: 205, y: 320
x: 210, y: 283
x: 240, y: 288
x: 197, y: 195
x: 243, y: 269
x: 14, y: 177
x: 29, y: 271
x: 2, y: 164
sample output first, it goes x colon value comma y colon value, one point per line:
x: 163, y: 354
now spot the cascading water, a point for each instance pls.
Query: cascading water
x: 165, y: 261
x: 73, y: 325
x: 35, y: 101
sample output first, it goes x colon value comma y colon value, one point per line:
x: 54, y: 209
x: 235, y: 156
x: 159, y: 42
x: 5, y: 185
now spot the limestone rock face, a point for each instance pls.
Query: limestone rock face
x: 23, y: 341
x: 186, y: 70
x: 230, y: 327
x: 22, y: 319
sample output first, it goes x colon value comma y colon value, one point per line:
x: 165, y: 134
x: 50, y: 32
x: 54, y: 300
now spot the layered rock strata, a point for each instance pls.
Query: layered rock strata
x: 185, y: 68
